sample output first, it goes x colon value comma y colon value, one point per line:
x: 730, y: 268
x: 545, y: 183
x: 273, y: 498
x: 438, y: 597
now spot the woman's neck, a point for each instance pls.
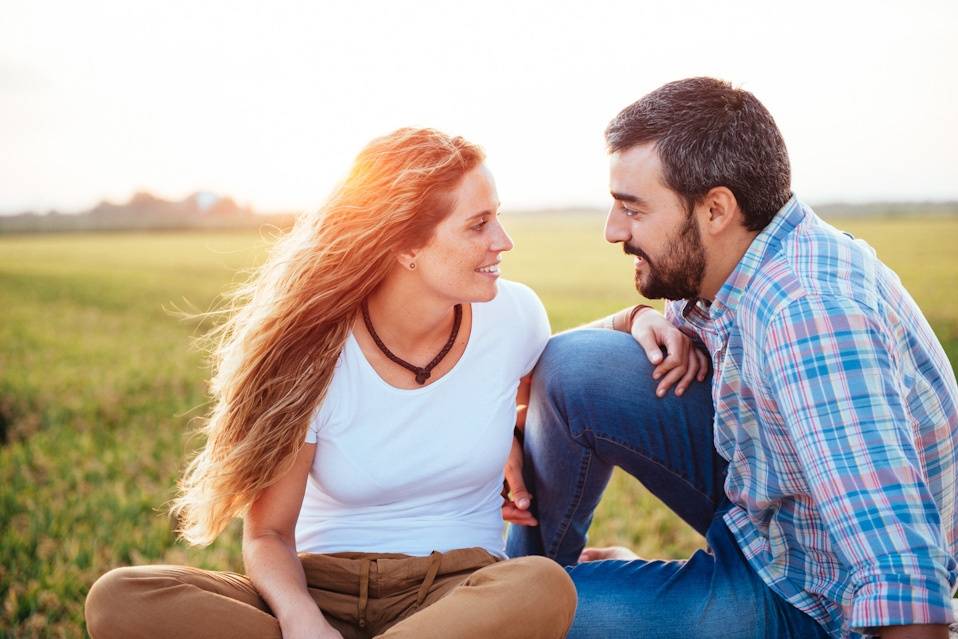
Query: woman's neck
x: 408, y: 318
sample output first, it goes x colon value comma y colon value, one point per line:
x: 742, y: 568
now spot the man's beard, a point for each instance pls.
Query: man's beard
x: 678, y: 275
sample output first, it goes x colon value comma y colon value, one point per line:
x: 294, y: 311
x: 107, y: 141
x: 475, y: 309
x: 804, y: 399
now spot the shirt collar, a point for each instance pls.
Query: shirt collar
x: 765, y: 243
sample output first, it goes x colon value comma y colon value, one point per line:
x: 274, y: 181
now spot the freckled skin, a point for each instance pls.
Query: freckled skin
x: 463, y: 243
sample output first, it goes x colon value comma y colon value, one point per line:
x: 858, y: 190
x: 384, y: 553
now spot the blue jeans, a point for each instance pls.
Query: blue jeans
x: 593, y: 408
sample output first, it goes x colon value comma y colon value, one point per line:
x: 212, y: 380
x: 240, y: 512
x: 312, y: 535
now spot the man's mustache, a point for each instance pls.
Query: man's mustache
x: 631, y: 250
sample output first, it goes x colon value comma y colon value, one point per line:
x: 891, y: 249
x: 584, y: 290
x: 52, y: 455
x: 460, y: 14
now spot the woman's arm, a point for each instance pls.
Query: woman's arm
x: 522, y: 400
x: 516, y: 499
x: 269, y: 552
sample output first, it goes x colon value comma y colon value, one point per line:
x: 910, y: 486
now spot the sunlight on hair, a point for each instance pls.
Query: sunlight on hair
x: 273, y: 357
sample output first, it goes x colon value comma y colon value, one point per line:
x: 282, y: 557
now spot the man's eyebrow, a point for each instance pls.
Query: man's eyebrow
x: 625, y: 197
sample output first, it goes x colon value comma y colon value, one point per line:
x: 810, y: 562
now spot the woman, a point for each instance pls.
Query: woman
x: 365, y: 391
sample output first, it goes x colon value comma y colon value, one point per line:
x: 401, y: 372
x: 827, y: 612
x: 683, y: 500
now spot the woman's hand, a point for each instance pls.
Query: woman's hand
x: 682, y: 362
x: 516, y: 499
x: 326, y: 633
x: 308, y: 628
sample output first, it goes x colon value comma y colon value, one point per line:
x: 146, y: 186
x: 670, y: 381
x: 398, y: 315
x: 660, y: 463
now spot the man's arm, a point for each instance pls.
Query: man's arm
x: 831, y: 373
x: 621, y: 320
x: 678, y: 361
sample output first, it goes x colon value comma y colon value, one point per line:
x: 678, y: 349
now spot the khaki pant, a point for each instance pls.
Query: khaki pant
x: 461, y: 593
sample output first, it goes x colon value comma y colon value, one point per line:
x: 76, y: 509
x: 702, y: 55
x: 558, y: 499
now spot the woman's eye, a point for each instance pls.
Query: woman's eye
x: 480, y: 225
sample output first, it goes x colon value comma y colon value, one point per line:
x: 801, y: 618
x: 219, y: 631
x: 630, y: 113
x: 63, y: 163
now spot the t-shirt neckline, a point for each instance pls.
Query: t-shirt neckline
x: 353, y: 343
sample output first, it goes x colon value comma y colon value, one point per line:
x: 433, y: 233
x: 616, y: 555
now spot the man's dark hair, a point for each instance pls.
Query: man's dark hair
x: 708, y: 134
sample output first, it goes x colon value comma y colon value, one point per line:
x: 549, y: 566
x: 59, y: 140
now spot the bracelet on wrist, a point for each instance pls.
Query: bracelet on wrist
x: 638, y: 308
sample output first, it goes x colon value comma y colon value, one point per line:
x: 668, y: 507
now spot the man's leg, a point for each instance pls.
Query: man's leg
x: 712, y: 594
x: 594, y: 407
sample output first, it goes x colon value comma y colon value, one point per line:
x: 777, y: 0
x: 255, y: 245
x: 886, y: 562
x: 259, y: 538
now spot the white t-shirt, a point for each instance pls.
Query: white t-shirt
x: 412, y: 471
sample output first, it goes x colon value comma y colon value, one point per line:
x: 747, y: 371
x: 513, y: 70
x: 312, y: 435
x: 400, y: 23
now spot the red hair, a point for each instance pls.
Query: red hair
x: 273, y: 357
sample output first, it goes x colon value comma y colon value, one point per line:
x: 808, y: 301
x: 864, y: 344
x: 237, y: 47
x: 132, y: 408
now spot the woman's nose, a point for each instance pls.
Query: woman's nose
x: 501, y: 242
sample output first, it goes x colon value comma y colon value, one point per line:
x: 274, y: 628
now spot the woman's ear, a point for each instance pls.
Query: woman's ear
x: 407, y: 259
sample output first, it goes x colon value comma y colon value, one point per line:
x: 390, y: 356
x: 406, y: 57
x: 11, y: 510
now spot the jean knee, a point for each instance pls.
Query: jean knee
x: 579, y: 359
x: 580, y: 350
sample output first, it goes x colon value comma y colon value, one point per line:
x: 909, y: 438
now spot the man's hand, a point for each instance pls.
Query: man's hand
x: 682, y: 363
x: 515, y: 498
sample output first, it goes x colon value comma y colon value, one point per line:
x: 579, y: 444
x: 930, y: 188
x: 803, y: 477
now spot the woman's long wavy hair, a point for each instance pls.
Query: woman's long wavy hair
x: 274, y: 355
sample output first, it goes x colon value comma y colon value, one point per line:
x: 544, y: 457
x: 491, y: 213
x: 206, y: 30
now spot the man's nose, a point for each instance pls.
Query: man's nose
x: 616, y: 228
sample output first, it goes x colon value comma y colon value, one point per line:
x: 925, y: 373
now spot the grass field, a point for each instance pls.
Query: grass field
x: 98, y: 385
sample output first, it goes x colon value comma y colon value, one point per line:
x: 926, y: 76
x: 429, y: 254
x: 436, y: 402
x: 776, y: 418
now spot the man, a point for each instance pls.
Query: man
x: 821, y: 469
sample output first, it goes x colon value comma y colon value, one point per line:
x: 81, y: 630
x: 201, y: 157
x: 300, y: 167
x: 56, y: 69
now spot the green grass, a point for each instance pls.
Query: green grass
x: 98, y: 385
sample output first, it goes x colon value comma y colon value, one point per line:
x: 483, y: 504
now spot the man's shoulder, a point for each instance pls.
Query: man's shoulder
x: 815, y: 261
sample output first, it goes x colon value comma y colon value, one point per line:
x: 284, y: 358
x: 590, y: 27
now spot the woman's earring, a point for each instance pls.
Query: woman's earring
x: 412, y: 266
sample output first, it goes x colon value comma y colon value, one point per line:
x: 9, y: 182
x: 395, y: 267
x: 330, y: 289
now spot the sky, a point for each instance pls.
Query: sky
x: 269, y: 101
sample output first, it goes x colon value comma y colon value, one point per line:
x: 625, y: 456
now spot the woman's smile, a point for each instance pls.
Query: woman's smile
x: 491, y: 270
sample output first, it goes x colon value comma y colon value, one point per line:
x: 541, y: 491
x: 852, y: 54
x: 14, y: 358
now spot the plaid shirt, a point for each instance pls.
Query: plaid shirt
x: 835, y: 406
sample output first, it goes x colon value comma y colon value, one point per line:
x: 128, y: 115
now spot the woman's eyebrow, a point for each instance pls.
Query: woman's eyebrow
x: 485, y: 212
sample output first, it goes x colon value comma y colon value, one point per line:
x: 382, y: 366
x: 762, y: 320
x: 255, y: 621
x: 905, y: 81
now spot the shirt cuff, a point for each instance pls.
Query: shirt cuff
x: 900, y: 600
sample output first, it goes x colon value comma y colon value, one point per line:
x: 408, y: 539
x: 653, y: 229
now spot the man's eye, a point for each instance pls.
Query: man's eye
x: 629, y: 212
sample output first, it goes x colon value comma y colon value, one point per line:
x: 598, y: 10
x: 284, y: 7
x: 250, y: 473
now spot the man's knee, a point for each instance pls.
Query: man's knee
x: 583, y: 359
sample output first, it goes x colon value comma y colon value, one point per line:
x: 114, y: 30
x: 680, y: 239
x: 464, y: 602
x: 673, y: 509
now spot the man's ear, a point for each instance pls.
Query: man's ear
x: 719, y: 210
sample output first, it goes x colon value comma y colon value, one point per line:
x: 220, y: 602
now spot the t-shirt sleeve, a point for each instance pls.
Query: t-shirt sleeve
x: 316, y: 422
x: 535, y: 328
